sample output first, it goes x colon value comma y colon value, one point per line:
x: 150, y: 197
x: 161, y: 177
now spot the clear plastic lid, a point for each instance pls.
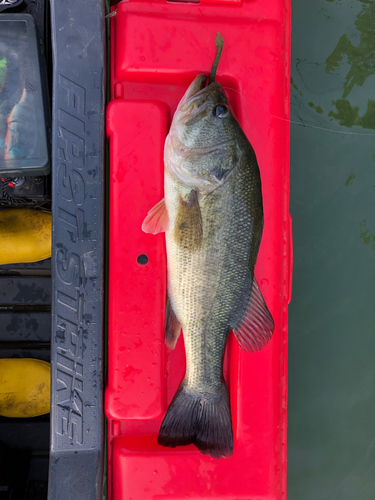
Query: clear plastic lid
x: 24, y: 113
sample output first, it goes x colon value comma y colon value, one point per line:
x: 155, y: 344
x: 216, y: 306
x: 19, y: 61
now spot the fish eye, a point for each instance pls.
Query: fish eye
x: 221, y: 110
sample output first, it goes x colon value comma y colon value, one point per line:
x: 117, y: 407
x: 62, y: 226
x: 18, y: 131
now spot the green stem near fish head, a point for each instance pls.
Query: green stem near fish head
x: 219, y: 42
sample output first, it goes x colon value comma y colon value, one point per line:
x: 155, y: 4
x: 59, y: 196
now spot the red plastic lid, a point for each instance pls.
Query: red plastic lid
x: 157, y: 49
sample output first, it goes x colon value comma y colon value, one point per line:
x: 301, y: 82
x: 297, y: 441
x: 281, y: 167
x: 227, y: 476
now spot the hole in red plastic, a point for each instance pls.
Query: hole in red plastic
x: 142, y: 260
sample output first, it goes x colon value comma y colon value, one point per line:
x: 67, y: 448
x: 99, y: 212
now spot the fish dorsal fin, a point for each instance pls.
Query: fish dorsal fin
x: 257, y: 325
x: 157, y: 220
x: 188, y: 231
x: 172, y: 326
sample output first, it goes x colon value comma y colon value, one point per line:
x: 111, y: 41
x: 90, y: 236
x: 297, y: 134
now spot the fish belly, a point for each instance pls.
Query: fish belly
x: 207, y: 287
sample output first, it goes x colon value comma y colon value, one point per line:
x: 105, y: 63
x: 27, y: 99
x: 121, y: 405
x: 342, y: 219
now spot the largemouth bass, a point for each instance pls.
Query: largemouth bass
x: 212, y: 215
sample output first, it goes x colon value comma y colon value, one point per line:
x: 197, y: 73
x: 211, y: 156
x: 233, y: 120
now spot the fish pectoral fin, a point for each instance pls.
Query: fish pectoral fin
x: 172, y: 326
x: 257, y: 325
x: 157, y: 220
x: 188, y: 231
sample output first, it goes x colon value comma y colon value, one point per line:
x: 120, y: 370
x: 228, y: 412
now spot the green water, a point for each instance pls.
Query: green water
x: 331, y: 423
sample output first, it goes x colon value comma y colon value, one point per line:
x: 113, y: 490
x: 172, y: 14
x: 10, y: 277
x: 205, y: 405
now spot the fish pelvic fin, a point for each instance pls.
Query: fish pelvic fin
x: 257, y: 325
x: 199, y: 419
x: 157, y: 219
x: 172, y: 326
x: 188, y: 231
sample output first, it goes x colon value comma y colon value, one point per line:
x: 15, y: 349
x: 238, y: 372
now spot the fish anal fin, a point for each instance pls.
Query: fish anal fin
x: 172, y: 326
x: 257, y: 325
x: 188, y: 231
x: 157, y: 220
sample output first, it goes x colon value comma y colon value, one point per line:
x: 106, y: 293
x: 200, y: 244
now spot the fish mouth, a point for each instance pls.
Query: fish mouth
x: 210, y: 149
x: 196, y: 96
x: 198, y: 84
x: 195, y: 90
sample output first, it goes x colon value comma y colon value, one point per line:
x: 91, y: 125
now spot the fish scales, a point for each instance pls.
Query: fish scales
x: 208, y: 286
x: 212, y: 216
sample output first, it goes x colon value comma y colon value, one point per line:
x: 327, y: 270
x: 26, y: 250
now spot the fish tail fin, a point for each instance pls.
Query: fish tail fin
x: 180, y: 423
x: 214, y: 434
x: 199, y: 419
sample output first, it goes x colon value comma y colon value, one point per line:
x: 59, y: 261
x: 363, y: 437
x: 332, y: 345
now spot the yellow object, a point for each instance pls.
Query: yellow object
x: 25, y: 235
x: 24, y: 387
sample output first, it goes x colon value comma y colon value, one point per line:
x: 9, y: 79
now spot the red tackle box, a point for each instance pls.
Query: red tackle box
x: 157, y: 49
